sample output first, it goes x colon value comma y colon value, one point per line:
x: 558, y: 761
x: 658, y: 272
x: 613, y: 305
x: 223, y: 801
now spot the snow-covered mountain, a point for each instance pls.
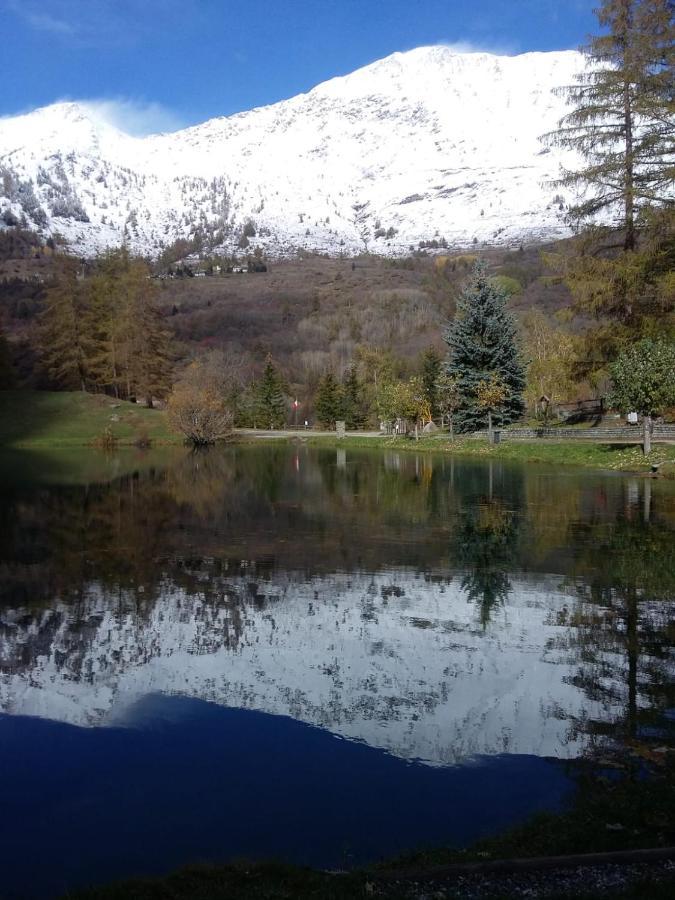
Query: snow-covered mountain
x: 422, y: 145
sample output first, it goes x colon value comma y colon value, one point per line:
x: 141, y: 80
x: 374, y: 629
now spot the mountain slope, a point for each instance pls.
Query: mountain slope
x: 419, y: 145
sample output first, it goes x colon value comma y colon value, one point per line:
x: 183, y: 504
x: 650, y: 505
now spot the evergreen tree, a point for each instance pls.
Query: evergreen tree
x: 354, y: 410
x: 270, y: 401
x: 329, y: 402
x: 623, y: 106
x: 482, y: 346
x: 431, y: 370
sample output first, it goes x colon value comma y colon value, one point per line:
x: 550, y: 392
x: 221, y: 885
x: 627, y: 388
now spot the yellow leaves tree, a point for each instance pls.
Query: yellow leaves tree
x: 552, y: 356
x: 199, y: 406
x: 490, y: 396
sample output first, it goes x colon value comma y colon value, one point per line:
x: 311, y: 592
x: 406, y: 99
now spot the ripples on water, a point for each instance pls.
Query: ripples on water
x: 203, y: 630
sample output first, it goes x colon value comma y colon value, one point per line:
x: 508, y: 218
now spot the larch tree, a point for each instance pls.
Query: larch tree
x: 622, y: 118
x: 65, y: 340
x: 483, y: 348
x: 622, y: 123
x: 133, y: 356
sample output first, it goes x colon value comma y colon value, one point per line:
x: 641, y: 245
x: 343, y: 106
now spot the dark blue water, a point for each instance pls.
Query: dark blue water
x: 199, y: 782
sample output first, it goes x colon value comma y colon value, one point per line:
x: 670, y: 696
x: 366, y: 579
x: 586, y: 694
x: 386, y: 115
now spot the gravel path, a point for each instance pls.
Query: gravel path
x: 597, y: 881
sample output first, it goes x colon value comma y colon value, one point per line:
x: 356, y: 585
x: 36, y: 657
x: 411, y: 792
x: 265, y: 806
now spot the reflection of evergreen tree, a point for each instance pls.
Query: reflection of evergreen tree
x: 486, y: 545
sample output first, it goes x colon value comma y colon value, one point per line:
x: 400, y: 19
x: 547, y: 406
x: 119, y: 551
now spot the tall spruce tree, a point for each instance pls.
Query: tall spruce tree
x: 482, y: 346
x: 270, y: 405
x: 354, y: 401
x: 622, y: 120
x: 329, y: 402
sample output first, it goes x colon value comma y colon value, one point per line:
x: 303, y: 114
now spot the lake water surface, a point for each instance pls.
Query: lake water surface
x: 321, y: 656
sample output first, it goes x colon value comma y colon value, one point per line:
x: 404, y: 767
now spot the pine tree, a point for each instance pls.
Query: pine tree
x: 482, y: 346
x: 354, y: 410
x: 431, y: 370
x: 329, y: 402
x: 623, y: 108
x: 270, y: 402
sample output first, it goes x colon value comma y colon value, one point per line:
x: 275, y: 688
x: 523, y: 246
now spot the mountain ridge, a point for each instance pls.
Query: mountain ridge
x: 422, y: 145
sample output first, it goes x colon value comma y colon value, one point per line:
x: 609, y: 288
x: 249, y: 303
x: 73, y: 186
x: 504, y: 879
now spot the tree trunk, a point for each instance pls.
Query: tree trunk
x: 629, y: 187
x: 647, y: 434
x: 489, y: 427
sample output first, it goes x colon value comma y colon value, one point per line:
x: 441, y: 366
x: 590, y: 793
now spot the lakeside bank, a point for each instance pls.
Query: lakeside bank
x: 43, y: 420
x: 619, y: 457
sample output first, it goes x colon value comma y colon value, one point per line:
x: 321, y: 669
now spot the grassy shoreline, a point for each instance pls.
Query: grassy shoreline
x: 43, y: 420
x: 599, y: 455
x: 40, y: 420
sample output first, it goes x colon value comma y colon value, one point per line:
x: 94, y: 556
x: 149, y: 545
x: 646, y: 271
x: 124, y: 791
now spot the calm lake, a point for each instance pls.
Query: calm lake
x: 323, y: 656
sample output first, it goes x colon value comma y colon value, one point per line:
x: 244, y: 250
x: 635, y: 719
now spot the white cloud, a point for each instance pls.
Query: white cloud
x: 135, y: 117
x: 102, y: 23
x: 45, y: 22
x: 474, y: 47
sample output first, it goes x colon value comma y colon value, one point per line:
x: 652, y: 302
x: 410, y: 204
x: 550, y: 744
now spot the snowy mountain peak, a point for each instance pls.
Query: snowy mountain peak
x: 430, y: 145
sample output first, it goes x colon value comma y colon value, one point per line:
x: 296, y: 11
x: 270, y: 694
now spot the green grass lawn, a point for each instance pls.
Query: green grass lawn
x: 620, y: 457
x: 46, y: 419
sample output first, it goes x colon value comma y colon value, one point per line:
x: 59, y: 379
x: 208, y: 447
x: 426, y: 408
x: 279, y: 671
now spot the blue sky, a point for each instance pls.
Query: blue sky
x: 161, y: 64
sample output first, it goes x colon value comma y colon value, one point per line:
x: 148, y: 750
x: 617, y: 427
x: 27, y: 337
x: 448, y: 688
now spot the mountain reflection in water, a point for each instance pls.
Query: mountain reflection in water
x: 436, y: 609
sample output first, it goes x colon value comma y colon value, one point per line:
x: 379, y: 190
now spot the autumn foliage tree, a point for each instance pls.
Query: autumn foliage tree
x: 199, y: 406
x: 102, y: 330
